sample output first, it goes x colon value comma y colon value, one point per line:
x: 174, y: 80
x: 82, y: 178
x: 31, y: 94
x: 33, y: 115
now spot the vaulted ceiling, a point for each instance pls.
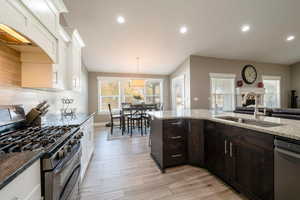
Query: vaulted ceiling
x: 151, y: 32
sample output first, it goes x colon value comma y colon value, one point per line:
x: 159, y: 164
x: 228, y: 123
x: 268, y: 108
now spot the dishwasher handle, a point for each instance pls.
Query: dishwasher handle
x: 288, y: 153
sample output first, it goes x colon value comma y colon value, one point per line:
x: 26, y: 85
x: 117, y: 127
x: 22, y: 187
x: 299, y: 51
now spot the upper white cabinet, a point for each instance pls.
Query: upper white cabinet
x: 58, y: 63
x: 46, y: 13
x: 15, y: 15
x: 75, y: 61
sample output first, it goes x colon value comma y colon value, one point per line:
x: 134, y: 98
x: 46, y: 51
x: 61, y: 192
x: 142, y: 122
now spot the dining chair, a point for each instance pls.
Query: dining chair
x: 125, y: 112
x: 135, y: 119
x: 113, y: 118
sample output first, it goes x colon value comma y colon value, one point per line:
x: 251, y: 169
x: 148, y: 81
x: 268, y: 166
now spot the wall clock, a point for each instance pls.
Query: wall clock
x: 249, y: 74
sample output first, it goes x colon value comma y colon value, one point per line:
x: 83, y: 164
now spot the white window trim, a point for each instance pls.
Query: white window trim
x: 121, y: 95
x: 222, y: 76
x: 173, y: 91
x: 275, y: 78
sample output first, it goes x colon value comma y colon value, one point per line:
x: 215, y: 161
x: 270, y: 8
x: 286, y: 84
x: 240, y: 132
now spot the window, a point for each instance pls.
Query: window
x: 109, y: 94
x: 222, y: 89
x: 272, y: 94
x: 114, y: 91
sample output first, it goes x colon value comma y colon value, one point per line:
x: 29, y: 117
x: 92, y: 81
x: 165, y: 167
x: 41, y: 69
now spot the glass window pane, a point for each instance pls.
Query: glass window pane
x: 222, y: 93
x: 152, y: 87
x: 113, y: 101
x: 272, y: 95
x: 152, y: 99
x: 109, y: 87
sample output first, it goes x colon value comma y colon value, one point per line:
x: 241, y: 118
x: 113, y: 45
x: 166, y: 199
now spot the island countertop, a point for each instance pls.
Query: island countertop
x: 288, y: 128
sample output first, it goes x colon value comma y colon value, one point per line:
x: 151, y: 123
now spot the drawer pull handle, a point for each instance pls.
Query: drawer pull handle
x: 230, y: 149
x: 225, y: 146
x: 176, y: 137
x: 176, y: 123
x: 176, y: 155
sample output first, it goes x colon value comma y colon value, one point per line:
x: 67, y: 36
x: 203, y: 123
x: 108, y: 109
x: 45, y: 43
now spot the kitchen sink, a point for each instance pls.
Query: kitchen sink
x: 250, y: 121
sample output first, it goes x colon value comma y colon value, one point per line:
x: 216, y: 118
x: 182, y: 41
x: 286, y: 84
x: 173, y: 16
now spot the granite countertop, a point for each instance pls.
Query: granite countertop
x: 58, y: 120
x: 289, y: 128
x: 13, y: 164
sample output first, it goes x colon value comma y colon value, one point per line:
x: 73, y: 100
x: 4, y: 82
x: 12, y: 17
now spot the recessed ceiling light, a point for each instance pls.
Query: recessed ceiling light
x: 120, y: 19
x: 183, y: 30
x: 290, y: 38
x: 245, y: 28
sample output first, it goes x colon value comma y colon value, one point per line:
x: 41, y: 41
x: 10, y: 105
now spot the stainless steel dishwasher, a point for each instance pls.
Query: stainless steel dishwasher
x: 287, y: 170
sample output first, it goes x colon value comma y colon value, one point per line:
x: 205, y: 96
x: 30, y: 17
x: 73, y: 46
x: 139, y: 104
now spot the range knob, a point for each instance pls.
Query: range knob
x: 61, y: 154
x: 69, y: 148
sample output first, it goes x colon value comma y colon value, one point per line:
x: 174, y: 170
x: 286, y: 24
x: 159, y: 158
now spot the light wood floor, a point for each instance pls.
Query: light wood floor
x: 123, y: 170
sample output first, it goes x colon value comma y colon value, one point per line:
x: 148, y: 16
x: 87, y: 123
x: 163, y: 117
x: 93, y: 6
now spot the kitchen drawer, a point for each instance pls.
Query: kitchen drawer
x: 27, y: 186
x: 174, y: 123
x: 174, y: 129
x: 173, y: 159
x: 176, y: 147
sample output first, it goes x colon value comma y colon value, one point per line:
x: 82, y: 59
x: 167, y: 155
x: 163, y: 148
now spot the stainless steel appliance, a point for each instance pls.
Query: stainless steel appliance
x: 60, y: 144
x: 287, y: 169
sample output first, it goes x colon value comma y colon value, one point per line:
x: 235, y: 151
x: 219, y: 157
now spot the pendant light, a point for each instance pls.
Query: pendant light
x: 138, y: 83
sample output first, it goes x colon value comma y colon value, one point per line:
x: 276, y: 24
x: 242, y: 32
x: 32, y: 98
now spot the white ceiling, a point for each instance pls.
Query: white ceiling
x: 151, y: 32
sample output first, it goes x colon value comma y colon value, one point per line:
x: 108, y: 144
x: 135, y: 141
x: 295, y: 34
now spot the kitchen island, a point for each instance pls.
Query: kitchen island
x: 241, y: 154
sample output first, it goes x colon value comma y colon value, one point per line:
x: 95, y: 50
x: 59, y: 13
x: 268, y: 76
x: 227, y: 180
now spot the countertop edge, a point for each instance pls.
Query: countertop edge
x: 230, y: 123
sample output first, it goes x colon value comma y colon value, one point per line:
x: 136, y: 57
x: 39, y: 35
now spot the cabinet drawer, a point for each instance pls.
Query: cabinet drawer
x: 27, y: 186
x: 174, y: 147
x: 174, y: 159
x: 174, y: 129
x: 178, y: 123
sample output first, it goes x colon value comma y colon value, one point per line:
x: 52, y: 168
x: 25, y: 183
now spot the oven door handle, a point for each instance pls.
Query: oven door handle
x: 75, y: 155
x: 288, y: 153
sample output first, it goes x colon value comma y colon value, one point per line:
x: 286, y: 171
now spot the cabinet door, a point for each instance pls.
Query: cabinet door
x: 196, y: 142
x: 253, y: 168
x: 215, y: 150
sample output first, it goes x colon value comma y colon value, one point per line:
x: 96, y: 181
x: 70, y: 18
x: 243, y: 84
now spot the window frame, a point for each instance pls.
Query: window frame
x: 274, y: 78
x: 121, y: 95
x: 222, y: 76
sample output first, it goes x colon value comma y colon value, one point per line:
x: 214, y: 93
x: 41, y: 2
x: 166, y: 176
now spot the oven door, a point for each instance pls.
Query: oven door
x: 62, y: 183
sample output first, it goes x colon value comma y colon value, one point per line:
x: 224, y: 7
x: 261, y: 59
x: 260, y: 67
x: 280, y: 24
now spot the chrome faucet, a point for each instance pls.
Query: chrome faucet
x: 256, y: 109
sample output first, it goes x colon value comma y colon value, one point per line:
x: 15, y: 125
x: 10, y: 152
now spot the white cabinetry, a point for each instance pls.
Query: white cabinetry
x: 46, y: 13
x: 14, y: 14
x: 87, y: 144
x: 27, y: 186
x: 75, y: 62
x: 60, y: 80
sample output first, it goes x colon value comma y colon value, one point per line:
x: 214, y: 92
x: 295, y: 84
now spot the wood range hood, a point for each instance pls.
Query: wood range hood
x: 22, y: 62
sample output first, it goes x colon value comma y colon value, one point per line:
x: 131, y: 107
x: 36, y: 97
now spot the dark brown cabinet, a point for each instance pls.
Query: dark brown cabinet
x: 169, y: 142
x: 254, y: 164
x: 195, y: 134
x: 177, y: 141
x: 242, y: 158
x: 215, y: 150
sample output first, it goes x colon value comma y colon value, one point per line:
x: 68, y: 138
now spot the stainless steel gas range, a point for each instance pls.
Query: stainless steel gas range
x: 60, y: 163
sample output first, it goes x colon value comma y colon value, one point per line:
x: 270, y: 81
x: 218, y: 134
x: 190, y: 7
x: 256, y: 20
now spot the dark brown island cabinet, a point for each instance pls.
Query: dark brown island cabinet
x: 242, y: 158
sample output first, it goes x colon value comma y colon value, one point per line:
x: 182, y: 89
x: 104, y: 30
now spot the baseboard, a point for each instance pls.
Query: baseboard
x: 102, y: 124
